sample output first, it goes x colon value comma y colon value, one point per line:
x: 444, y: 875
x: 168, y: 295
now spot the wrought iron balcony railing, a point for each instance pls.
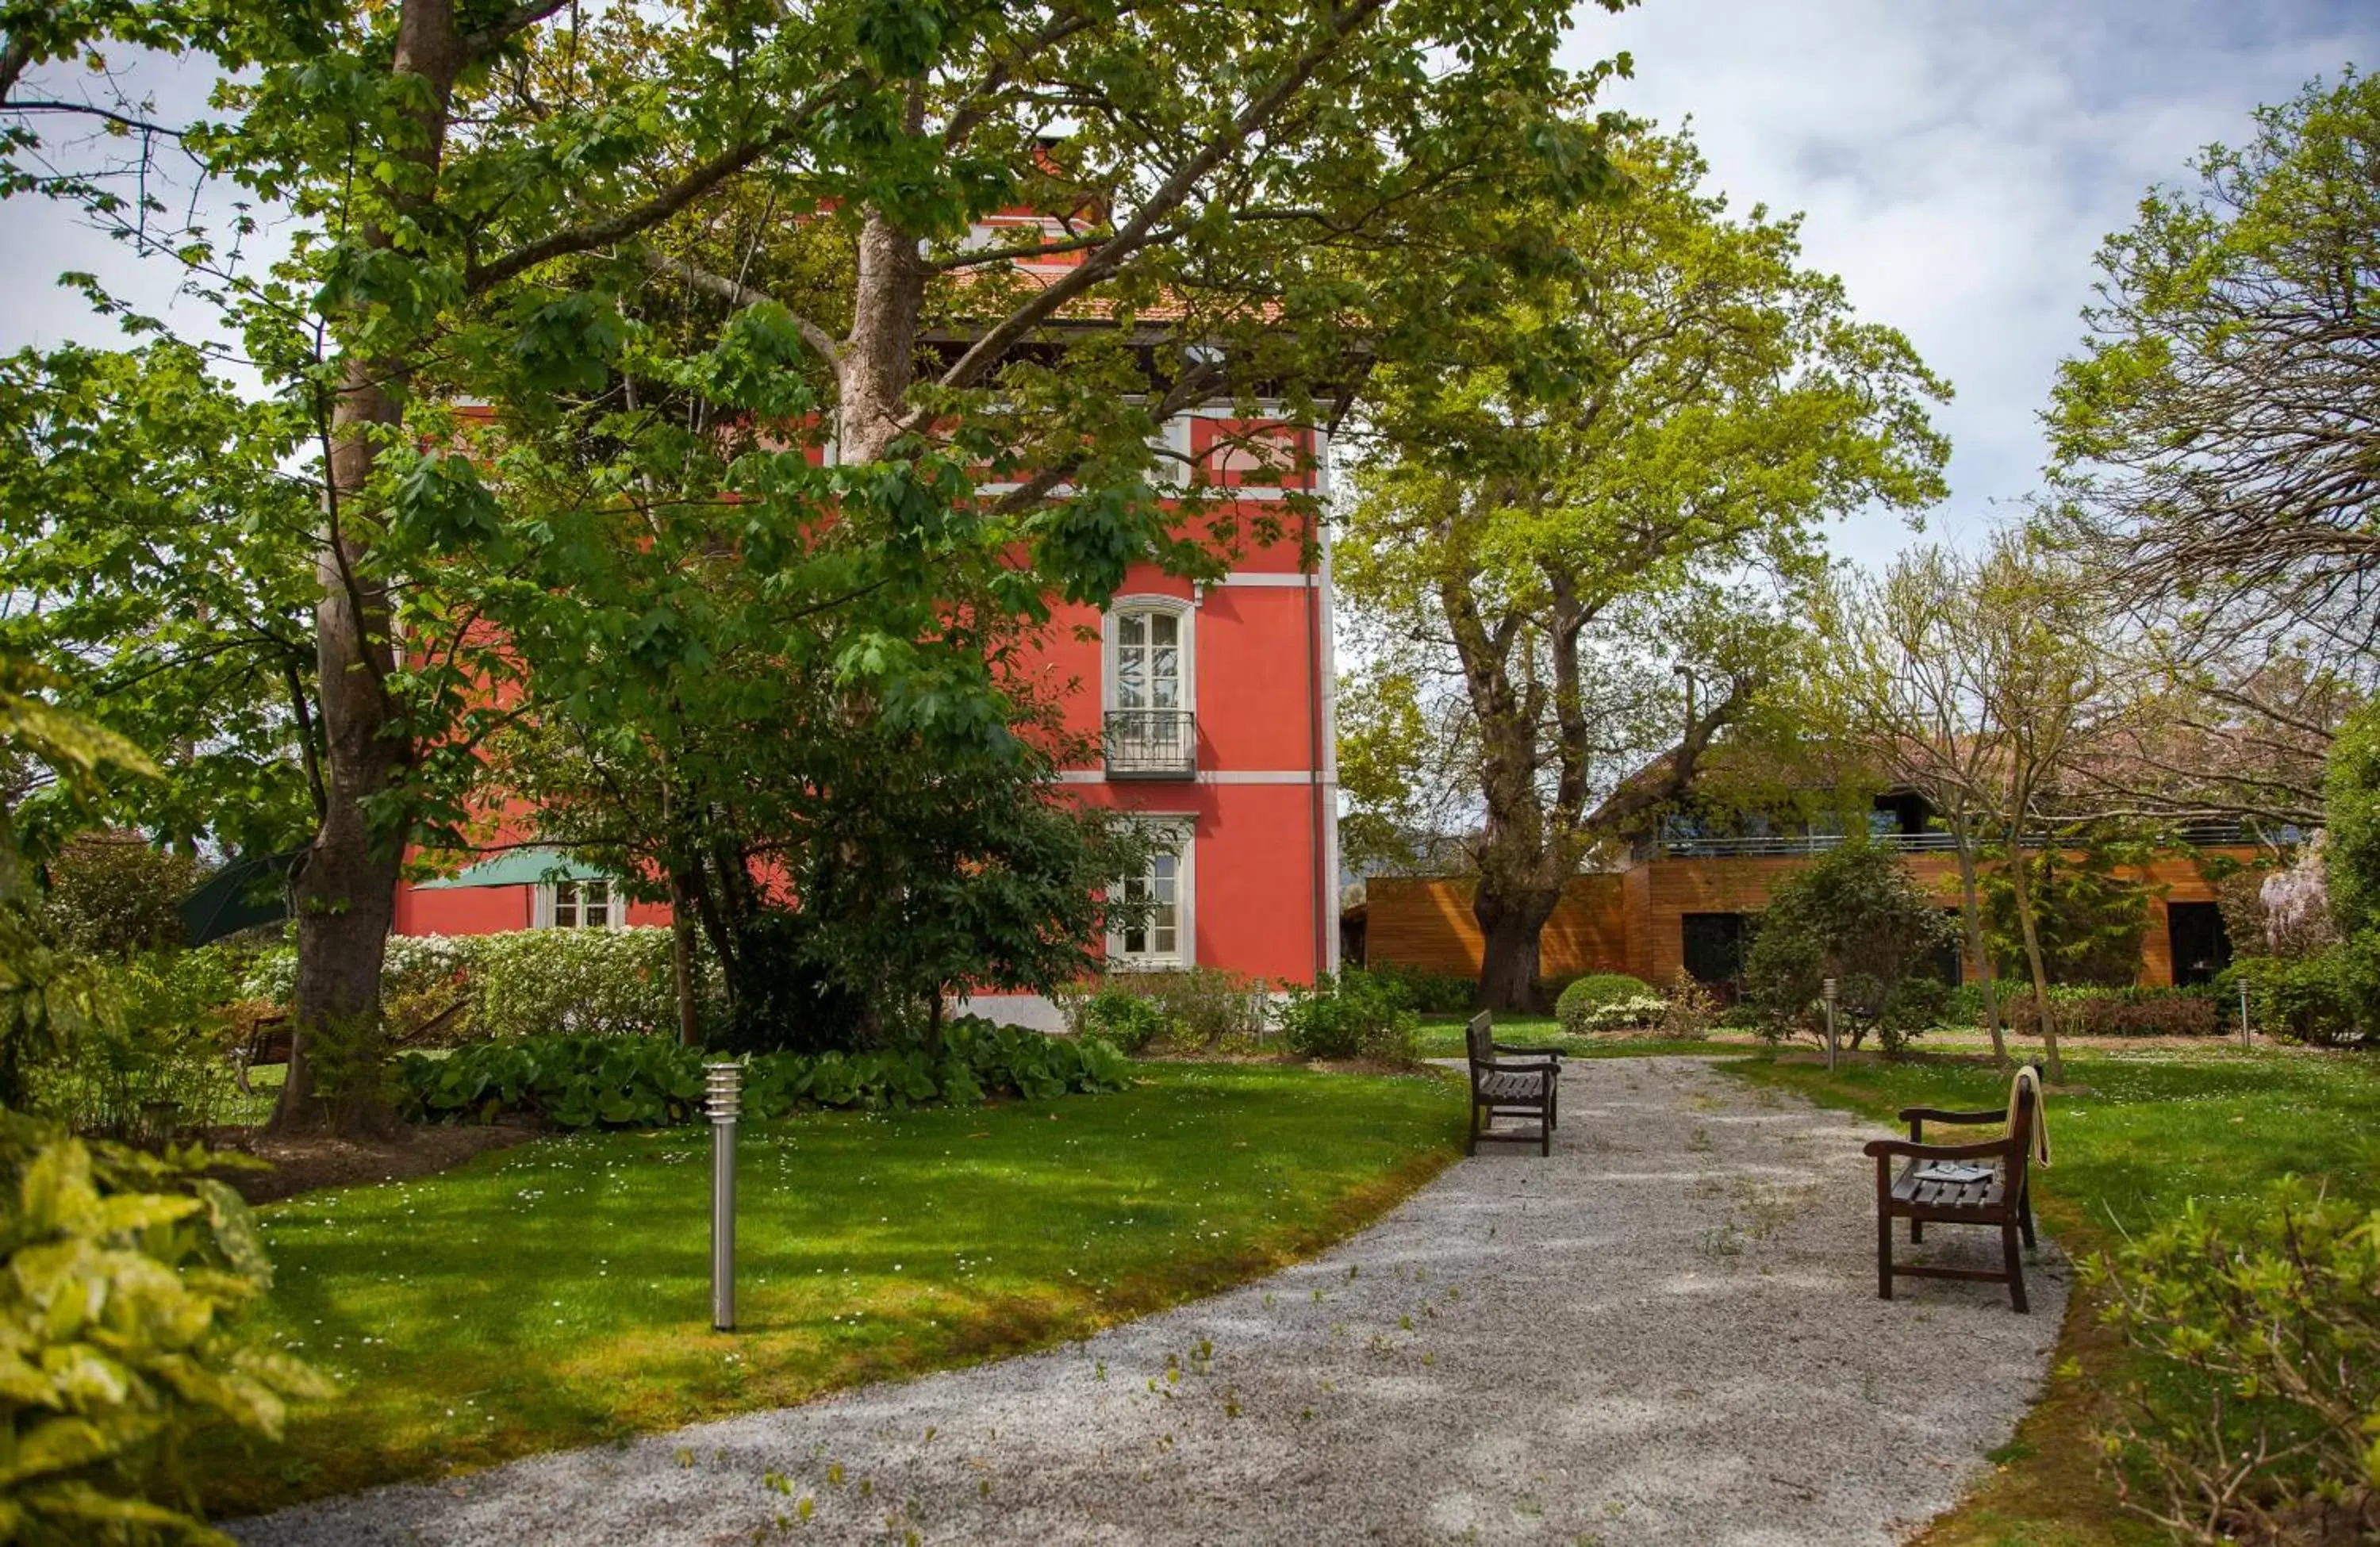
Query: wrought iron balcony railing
x: 1152, y: 744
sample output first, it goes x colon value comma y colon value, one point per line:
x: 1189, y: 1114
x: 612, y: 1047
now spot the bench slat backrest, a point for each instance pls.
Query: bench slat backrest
x: 1479, y: 1040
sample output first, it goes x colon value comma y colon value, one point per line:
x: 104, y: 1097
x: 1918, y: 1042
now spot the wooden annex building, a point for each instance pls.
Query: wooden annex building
x: 1683, y: 905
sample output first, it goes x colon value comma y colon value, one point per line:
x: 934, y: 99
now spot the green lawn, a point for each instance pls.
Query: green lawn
x: 557, y: 1293
x: 2135, y: 1135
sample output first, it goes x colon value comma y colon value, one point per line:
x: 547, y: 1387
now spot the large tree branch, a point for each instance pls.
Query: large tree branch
x: 487, y: 40
x: 642, y: 217
x: 734, y: 292
x: 1169, y: 197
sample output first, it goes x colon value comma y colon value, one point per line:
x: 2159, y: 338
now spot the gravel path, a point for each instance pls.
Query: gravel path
x: 1666, y: 1333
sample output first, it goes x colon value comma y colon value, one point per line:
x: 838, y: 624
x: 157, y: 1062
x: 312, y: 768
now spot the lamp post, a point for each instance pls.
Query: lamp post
x: 724, y: 1087
x: 1827, y: 996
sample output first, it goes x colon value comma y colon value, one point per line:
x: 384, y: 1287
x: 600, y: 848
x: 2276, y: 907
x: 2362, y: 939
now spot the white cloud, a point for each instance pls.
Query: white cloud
x: 1958, y: 165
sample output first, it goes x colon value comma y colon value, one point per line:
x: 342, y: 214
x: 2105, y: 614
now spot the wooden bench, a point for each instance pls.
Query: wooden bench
x: 1507, y: 1081
x: 2003, y: 1198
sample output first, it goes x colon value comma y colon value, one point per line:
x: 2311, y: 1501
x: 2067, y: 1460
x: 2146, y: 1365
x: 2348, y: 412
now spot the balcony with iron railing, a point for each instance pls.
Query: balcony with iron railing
x: 1686, y: 846
x: 1152, y: 744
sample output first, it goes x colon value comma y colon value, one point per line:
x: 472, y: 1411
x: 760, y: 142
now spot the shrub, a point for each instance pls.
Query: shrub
x: 1206, y: 1009
x: 1354, y: 1015
x: 1122, y: 1016
x: 521, y: 983
x: 2352, y: 798
x: 123, y: 1277
x: 1591, y: 1003
x: 586, y: 1082
x: 2136, y: 1012
x: 2326, y: 1000
x: 2258, y: 1420
x: 1857, y: 916
x: 157, y: 1065
x: 1431, y: 993
x: 115, y: 894
x: 1689, y: 1010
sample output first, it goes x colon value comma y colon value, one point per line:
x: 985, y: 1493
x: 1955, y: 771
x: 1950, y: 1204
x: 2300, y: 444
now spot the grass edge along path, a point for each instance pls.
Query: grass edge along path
x: 556, y: 1295
x: 2132, y: 1135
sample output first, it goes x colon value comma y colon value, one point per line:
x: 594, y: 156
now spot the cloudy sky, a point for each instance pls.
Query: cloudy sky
x: 1958, y: 165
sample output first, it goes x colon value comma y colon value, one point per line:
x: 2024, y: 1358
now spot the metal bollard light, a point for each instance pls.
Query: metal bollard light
x: 1826, y: 993
x: 725, y: 1080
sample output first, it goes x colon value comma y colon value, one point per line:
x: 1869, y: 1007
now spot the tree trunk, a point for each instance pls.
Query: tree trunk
x: 2021, y: 883
x: 1970, y: 920
x: 347, y: 893
x: 1510, y: 927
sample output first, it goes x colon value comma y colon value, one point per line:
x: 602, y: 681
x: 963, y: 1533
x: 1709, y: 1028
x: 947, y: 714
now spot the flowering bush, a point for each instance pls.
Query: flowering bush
x: 1609, y: 1002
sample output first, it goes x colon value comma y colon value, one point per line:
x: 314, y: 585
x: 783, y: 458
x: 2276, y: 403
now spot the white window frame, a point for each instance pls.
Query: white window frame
x: 1181, y: 832
x: 1186, y: 618
x: 549, y: 900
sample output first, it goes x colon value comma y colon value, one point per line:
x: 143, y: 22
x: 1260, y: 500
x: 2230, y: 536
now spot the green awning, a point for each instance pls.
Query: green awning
x: 241, y: 896
x: 522, y: 867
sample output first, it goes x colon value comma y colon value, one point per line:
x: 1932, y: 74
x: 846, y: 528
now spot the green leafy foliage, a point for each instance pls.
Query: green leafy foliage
x: 2085, y: 1011
x: 2330, y: 999
x: 1122, y: 1018
x: 521, y: 983
x: 588, y: 1082
x: 1607, y: 1002
x: 1206, y: 1009
x: 2262, y: 1419
x: 112, y: 893
x: 2351, y: 805
x: 1857, y: 916
x: 1431, y: 993
x: 124, y: 1282
x: 2090, y: 920
x: 1353, y: 1015
x: 156, y: 1064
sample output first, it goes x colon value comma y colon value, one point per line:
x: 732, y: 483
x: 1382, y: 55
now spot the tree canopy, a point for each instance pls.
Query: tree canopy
x: 1619, y: 469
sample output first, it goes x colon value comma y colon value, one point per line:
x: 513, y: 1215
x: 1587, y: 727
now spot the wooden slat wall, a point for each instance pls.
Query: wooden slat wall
x: 1631, y: 921
x: 1426, y: 923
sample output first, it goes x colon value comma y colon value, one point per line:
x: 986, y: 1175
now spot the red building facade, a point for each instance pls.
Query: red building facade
x: 1212, y: 701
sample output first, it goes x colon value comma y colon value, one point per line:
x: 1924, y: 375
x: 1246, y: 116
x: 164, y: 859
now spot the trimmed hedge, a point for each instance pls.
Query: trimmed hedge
x: 590, y: 1082
x: 2133, y: 1012
x: 1430, y: 993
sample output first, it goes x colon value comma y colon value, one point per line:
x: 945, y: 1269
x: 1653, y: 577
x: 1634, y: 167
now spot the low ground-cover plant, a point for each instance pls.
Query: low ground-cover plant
x: 125, y: 1279
x: 2261, y: 1418
x: 1607, y: 1002
x: 588, y: 1083
x: 1353, y: 1015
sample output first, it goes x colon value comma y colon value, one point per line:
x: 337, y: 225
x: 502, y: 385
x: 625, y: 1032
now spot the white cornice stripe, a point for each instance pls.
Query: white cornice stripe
x: 1328, y: 778
x: 1268, y: 578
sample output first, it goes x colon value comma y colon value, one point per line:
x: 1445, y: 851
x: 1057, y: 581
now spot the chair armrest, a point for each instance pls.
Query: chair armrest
x: 1930, y: 1114
x: 1887, y: 1149
x: 1553, y: 1052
